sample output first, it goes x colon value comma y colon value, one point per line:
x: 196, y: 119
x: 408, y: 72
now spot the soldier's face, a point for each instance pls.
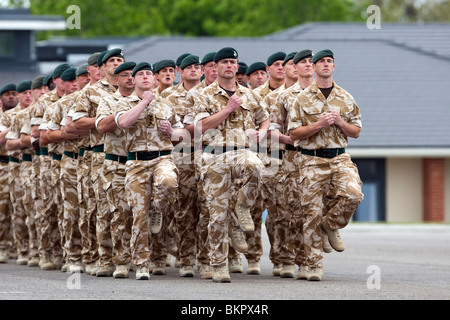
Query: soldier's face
x: 305, y: 68
x: 166, y: 76
x: 276, y: 70
x: 59, y: 84
x: 10, y: 99
x: 257, y: 78
x: 210, y: 72
x: 143, y: 80
x: 241, y: 78
x: 125, y: 80
x: 38, y: 92
x: 192, y: 72
x: 26, y: 98
x: 83, y: 80
x: 227, y: 68
x: 112, y: 63
x: 70, y: 86
x: 94, y: 72
x: 290, y: 70
x: 324, y: 67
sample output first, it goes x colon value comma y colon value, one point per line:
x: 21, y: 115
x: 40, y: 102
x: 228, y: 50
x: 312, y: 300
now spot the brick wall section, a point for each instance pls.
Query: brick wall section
x: 433, y: 189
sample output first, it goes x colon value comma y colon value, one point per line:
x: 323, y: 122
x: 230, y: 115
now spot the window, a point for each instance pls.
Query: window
x: 373, y: 176
x: 6, y: 44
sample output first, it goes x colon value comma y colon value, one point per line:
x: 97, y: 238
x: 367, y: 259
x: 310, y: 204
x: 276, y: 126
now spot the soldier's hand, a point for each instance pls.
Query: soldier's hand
x: 337, y: 117
x: 326, y: 119
x: 148, y: 96
x: 166, y: 128
x: 233, y: 103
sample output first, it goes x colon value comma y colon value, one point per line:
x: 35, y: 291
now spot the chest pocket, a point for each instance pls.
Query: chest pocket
x: 311, y: 114
x: 239, y: 118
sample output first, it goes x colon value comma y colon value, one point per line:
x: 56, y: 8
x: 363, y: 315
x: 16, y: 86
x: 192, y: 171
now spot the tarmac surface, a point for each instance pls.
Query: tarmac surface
x: 380, y: 262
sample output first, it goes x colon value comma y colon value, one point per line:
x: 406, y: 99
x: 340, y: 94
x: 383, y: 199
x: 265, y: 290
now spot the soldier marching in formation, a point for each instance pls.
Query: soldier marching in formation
x: 111, y: 167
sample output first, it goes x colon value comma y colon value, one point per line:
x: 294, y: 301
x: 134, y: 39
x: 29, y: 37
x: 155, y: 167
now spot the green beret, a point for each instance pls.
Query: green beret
x: 37, y: 82
x: 117, y: 52
x: 47, y: 80
x: 8, y: 87
x: 69, y: 75
x: 180, y: 58
x: 255, y: 67
x: 242, y: 67
x: 100, y: 58
x: 302, y: 55
x: 208, y: 57
x: 164, y: 64
x: 288, y: 57
x: 125, y: 66
x: 142, y: 66
x: 59, y: 70
x: 188, y: 60
x: 93, y: 59
x: 226, y: 53
x: 24, y: 86
x: 321, y: 54
x: 275, y: 57
x: 81, y: 70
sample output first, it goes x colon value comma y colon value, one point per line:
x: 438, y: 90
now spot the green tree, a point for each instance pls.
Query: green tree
x: 193, y: 17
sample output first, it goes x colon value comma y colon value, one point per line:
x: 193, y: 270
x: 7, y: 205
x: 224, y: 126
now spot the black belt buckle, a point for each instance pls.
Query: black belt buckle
x: 147, y: 155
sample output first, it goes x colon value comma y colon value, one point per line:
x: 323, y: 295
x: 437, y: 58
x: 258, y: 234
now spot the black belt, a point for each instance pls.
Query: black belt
x: 12, y: 159
x: 4, y: 159
x: 44, y: 151
x: 82, y: 150
x: 115, y: 157
x: 73, y: 155
x: 99, y: 148
x: 57, y: 156
x: 214, y: 150
x: 27, y: 157
x: 290, y: 147
x: 324, y: 153
x: 147, y: 155
x: 37, y: 152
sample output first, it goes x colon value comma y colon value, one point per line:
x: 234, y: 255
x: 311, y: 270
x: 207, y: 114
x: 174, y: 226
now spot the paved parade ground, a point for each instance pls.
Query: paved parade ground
x: 380, y: 262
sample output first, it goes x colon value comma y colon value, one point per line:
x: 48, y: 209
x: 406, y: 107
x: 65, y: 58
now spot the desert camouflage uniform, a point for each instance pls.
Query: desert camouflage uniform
x: 286, y: 189
x: 187, y: 218
x: 222, y: 171
x: 319, y: 176
x: 68, y: 178
x: 6, y: 239
x: 50, y: 155
x: 113, y: 181
x: 148, y: 181
x: 19, y: 216
x: 86, y: 106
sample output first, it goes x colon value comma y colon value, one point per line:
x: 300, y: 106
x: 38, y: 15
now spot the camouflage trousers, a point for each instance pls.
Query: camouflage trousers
x: 88, y: 207
x: 285, y: 197
x: 238, y: 170
x: 28, y: 205
x: 103, y: 214
x: 71, y: 217
x: 6, y: 239
x: 113, y: 176
x: 187, y: 216
x: 35, y: 186
x: 337, y: 178
x: 51, y: 210
x: 148, y: 183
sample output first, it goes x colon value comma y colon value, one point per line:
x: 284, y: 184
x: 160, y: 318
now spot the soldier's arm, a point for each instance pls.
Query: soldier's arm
x: 3, y: 137
x: 106, y: 124
x: 128, y: 118
x: 213, y: 121
x: 13, y: 144
x: 25, y: 140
